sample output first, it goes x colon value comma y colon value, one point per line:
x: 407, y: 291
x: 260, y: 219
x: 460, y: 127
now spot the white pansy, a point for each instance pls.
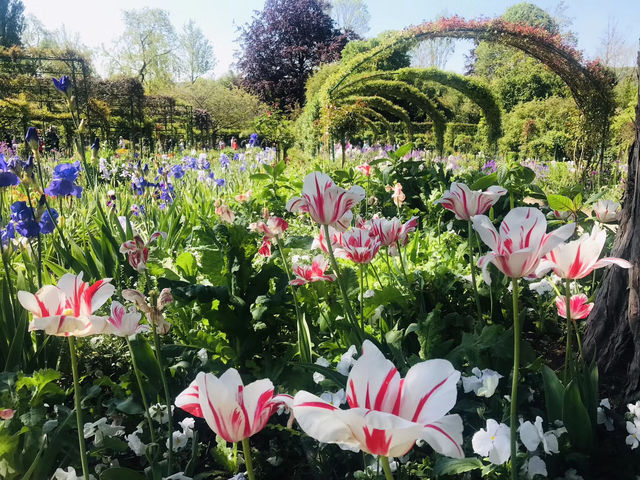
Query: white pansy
x: 69, y: 474
x: 158, y: 412
x: 534, y: 466
x: 135, y: 444
x: 570, y: 474
x: 179, y: 440
x: 483, y: 382
x: 542, y: 287
x: 494, y: 442
x: 317, y: 376
x: 202, y: 356
x: 187, y: 426
x: 100, y: 429
x: 240, y: 476
x: 633, y: 429
x: 602, y: 414
x: 336, y: 399
x: 346, y: 361
x: 532, y: 435
x: 634, y: 408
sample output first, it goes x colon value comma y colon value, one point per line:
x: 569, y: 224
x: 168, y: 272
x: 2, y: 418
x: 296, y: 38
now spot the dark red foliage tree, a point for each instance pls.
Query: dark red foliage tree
x: 282, y: 45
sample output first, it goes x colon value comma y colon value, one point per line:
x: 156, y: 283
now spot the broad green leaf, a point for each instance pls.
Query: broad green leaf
x: 576, y: 419
x: 485, y: 182
x: 454, y: 466
x: 553, y: 394
x: 560, y: 203
x: 187, y: 265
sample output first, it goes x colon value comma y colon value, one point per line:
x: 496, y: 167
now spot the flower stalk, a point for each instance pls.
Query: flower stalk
x: 386, y: 468
x: 246, y: 450
x: 76, y: 396
x: 145, y: 403
x: 473, y: 272
x: 514, y: 385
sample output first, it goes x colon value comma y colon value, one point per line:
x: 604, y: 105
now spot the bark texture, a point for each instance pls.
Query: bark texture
x: 613, y: 328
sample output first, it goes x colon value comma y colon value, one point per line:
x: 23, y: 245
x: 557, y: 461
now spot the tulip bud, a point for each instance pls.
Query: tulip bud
x: 32, y: 139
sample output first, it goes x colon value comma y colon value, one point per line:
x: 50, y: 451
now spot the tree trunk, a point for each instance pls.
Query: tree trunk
x: 613, y: 328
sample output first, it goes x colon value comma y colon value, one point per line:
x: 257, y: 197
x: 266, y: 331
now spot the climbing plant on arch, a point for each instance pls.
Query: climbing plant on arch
x: 590, y: 83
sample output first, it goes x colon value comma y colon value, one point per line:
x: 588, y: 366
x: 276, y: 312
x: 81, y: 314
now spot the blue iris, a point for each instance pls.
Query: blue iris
x: 253, y: 139
x: 7, y: 177
x: 63, y: 85
x: 32, y: 138
x: 224, y: 161
x: 96, y: 144
x: 7, y: 234
x: 63, y: 183
x: 177, y: 171
x: 48, y: 222
x: 25, y: 222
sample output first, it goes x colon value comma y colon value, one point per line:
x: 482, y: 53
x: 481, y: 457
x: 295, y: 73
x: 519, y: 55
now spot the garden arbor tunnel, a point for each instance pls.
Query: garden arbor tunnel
x: 590, y: 83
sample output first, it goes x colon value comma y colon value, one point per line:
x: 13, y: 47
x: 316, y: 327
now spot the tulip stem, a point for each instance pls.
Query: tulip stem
x: 141, y: 388
x: 361, y: 296
x: 76, y: 397
x: 472, y: 262
x: 156, y: 344
x: 303, y: 347
x: 567, y: 353
x: 514, y: 385
x: 343, y: 290
x: 246, y: 450
x: 387, y: 469
x: 404, y: 271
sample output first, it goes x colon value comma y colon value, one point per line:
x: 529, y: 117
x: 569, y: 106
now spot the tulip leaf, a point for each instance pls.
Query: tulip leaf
x: 453, y: 466
x: 187, y: 264
x: 576, y: 418
x: 120, y: 473
x: 553, y: 394
x: 129, y: 406
x: 560, y: 203
x: 485, y: 182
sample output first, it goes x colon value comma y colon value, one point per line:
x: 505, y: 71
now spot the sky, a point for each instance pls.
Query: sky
x: 99, y: 22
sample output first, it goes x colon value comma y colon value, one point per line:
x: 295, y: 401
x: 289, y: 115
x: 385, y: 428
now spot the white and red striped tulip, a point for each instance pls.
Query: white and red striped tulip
x: 466, y: 203
x: 67, y: 309
x: 326, y: 203
x: 265, y: 247
x: 521, y: 243
x: 388, y: 414
x: 358, y: 245
x: 124, y: 323
x: 316, y: 272
x: 364, y: 169
x: 391, y: 232
x: 320, y: 243
x: 274, y: 227
x: 231, y: 410
x: 138, y: 252
x: 243, y: 197
x: 580, y: 306
x: 577, y: 259
x: 225, y: 213
x: 607, y: 211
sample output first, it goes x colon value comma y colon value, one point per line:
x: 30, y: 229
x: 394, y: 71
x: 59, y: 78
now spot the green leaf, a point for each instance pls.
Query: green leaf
x: 577, y: 201
x: 259, y: 176
x: 454, y: 466
x: 402, y: 151
x: 576, y: 419
x: 129, y: 406
x: 187, y: 264
x: 120, y: 473
x: 485, y: 182
x: 553, y: 394
x: 560, y: 203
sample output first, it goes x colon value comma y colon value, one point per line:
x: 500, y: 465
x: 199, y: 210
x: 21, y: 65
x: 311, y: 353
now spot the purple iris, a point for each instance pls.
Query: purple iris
x: 96, y: 144
x: 253, y: 139
x: 25, y: 222
x: 224, y: 161
x: 177, y: 171
x: 7, y: 234
x: 7, y: 177
x: 63, y: 183
x: 63, y: 85
x: 32, y: 138
x: 48, y: 222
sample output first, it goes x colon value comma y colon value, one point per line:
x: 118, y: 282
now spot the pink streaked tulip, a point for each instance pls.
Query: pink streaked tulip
x: 231, y: 410
x: 225, y: 213
x: 580, y: 306
x: 138, y: 252
x: 320, y: 243
x: 67, y: 309
x: 364, y: 169
x: 274, y: 227
x: 243, y: 197
x: 607, y: 211
x: 523, y: 240
x: 358, y: 245
x: 124, y: 323
x: 265, y: 247
x: 577, y: 259
x: 326, y: 203
x: 391, y: 232
x: 6, y: 413
x: 398, y: 195
x: 466, y: 203
x: 388, y: 414
x: 316, y: 272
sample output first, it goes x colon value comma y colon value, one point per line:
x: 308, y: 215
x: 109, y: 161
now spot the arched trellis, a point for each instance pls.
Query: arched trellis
x: 473, y: 89
x: 590, y: 83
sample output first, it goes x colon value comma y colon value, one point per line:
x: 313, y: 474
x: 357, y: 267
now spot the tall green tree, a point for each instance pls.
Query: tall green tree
x: 12, y: 22
x: 196, y: 52
x: 147, y: 48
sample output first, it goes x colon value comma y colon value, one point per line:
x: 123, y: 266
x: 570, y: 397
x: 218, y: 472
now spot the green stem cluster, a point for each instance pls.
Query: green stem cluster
x: 76, y: 396
x: 165, y: 386
x: 145, y: 403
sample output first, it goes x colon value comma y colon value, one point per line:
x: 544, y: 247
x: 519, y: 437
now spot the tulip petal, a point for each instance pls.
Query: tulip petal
x: 445, y: 436
x: 220, y: 408
x: 189, y: 399
x: 486, y: 230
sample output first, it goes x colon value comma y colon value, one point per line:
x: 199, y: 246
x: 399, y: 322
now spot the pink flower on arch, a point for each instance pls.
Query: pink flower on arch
x: 316, y: 272
x: 231, y: 409
x: 580, y: 306
x: 466, y: 203
x: 138, y: 251
x: 326, y: 203
x: 521, y: 242
x: 67, y: 309
x: 388, y: 414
